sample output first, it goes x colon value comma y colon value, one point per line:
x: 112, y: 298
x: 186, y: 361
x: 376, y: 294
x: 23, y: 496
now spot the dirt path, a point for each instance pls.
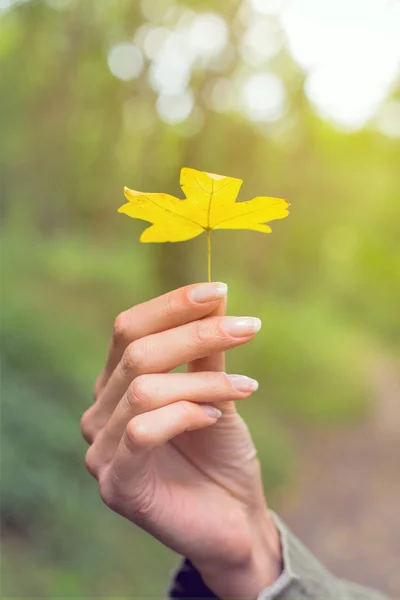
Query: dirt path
x: 345, y: 504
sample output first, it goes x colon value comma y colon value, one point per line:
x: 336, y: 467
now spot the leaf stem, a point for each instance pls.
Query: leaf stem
x: 208, y: 254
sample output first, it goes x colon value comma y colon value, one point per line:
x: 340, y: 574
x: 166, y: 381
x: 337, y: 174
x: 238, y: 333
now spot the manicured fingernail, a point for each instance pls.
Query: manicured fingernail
x: 207, y: 292
x: 243, y: 383
x: 241, y: 326
x: 215, y: 413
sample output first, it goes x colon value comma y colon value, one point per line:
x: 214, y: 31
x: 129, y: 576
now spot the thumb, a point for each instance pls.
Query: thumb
x: 213, y: 362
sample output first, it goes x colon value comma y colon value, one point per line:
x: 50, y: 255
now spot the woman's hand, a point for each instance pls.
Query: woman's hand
x: 169, y: 450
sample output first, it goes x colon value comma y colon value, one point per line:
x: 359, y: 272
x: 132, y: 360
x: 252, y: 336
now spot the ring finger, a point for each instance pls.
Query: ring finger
x: 150, y: 392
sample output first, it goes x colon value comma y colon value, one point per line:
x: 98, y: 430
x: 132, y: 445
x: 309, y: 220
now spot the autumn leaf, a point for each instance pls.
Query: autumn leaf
x: 209, y: 205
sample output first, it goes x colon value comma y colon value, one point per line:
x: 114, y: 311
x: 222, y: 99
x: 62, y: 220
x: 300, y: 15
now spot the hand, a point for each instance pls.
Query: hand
x: 169, y: 460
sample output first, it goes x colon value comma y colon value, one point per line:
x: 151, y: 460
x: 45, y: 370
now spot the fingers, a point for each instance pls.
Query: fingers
x: 149, y: 430
x: 215, y: 361
x: 167, y: 350
x: 166, y: 312
x: 150, y: 392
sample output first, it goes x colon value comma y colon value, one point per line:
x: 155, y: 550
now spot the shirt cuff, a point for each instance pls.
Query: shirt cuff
x: 303, y: 576
x: 274, y: 590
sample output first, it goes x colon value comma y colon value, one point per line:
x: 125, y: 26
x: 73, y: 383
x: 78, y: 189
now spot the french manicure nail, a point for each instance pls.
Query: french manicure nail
x: 207, y: 292
x: 211, y: 411
x: 241, y: 326
x: 243, y: 383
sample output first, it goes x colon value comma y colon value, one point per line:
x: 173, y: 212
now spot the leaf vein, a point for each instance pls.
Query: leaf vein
x: 243, y: 215
x: 174, y: 213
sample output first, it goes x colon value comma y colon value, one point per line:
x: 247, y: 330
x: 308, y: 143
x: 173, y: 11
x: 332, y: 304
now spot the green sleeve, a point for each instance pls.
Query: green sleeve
x: 305, y: 577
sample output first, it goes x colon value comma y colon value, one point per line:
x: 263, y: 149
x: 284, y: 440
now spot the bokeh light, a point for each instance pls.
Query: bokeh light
x: 350, y: 50
x: 125, y: 61
x: 207, y: 35
x: 154, y: 41
x: 346, y: 82
x: 175, y: 108
x: 268, y: 7
x: 260, y: 42
x: 170, y: 72
x: 388, y: 119
x: 263, y: 97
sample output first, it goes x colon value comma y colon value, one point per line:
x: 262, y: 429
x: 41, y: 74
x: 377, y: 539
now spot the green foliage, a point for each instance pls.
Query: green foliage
x: 311, y: 365
x: 326, y: 283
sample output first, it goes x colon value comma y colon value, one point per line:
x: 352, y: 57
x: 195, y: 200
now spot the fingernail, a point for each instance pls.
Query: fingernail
x: 241, y: 326
x: 215, y: 413
x: 207, y: 292
x: 243, y: 383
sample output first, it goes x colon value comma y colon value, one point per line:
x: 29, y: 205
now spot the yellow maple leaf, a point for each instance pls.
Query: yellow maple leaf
x: 209, y: 204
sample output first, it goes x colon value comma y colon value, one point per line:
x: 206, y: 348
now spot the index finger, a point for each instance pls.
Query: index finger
x: 170, y: 310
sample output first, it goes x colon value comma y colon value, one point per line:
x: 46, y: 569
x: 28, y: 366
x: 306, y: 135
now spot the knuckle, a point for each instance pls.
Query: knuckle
x: 86, y: 427
x: 132, y: 358
x: 219, y: 330
x: 145, y: 510
x: 136, y: 435
x: 91, y: 462
x: 138, y: 392
x: 139, y: 506
x: 108, y: 493
x: 168, y: 304
x: 198, y: 334
x: 120, y: 328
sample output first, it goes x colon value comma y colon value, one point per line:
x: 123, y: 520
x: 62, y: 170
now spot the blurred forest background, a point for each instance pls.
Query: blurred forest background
x: 96, y: 95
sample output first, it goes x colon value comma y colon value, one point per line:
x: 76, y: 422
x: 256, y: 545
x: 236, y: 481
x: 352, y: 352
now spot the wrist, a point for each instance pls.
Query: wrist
x: 259, y: 567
